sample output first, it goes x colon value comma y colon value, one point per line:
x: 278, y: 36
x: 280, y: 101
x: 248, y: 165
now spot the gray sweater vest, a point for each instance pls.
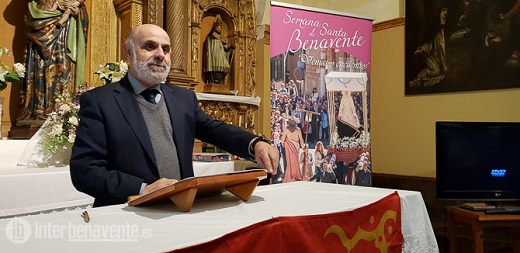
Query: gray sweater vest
x: 157, y: 121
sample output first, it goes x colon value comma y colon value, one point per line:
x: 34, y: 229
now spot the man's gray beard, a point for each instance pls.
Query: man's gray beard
x: 145, y: 74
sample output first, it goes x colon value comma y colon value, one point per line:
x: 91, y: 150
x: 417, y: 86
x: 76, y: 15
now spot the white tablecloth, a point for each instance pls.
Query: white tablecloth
x: 162, y: 227
x: 29, y: 190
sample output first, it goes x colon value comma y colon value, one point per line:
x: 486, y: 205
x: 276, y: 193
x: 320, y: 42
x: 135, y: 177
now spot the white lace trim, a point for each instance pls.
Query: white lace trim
x: 418, y: 243
x: 56, y: 210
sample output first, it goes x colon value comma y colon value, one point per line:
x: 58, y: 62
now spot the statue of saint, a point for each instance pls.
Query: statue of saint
x: 217, y: 55
x: 55, y: 54
x: 348, y: 119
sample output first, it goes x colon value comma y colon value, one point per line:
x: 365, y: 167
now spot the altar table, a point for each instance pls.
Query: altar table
x: 32, y: 190
x: 162, y: 228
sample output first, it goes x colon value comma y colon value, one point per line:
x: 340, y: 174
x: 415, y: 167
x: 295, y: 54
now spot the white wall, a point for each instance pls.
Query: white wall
x: 381, y: 10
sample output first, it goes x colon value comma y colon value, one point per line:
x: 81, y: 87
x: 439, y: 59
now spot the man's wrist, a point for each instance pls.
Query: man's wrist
x: 252, y: 145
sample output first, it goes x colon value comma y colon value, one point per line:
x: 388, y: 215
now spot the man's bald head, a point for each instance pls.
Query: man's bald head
x: 148, y: 49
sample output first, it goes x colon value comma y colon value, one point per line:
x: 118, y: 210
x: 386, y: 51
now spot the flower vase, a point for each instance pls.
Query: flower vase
x: 62, y: 156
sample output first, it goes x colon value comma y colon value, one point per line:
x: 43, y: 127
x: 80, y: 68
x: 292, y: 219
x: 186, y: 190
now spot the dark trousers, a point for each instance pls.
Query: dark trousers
x: 341, y: 171
x: 317, y: 172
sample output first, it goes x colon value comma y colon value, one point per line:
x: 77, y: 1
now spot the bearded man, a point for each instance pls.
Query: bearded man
x: 137, y: 135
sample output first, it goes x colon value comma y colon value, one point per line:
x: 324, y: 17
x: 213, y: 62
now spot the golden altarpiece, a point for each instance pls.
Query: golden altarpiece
x: 188, y: 22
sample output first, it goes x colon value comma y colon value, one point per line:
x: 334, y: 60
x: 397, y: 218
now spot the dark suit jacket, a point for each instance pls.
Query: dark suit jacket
x: 113, y: 155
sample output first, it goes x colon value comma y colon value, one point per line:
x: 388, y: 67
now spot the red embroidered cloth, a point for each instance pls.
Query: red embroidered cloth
x: 372, y: 228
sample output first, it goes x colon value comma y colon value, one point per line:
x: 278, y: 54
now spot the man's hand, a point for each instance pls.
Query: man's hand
x: 163, y: 182
x: 267, y: 156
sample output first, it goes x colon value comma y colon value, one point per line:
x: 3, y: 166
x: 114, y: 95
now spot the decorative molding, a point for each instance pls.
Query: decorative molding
x: 195, y: 51
x: 388, y: 24
x: 130, y: 15
x: 131, y: 10
x: 227, y: 98
x: 153, y: 12
x: 239, y: 114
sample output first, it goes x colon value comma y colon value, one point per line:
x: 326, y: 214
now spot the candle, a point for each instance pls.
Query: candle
x: 240, y: 120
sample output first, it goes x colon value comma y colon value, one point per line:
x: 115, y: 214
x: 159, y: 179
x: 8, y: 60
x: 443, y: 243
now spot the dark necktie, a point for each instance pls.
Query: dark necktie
x: 149, y: 95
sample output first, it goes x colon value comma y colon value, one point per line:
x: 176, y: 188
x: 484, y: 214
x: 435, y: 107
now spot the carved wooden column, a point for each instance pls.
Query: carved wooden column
x: 246, y: 26
x: 177, y: 20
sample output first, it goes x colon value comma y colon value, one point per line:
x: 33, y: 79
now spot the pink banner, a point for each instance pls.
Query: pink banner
x: 294, y: 29
x: 320, y: 106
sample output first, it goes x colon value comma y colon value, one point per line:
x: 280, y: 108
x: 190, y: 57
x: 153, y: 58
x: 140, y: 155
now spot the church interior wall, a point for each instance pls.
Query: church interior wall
x: 402, y: 126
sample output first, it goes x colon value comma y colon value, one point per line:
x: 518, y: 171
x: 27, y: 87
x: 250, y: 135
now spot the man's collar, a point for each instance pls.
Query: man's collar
x: 138, y: 87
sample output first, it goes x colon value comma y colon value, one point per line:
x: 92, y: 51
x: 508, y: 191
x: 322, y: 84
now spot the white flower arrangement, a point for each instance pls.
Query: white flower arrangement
x: 362, y: 140
x: 8, y: 75
x: 59, y: 131
x: 112, y: 71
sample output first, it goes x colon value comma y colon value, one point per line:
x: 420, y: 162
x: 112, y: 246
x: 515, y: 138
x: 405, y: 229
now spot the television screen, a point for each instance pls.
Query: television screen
x: 478, y: 161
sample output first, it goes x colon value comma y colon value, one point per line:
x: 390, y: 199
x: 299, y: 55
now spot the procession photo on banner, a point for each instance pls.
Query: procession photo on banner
x: 319, y: 127
x: 320, y: 96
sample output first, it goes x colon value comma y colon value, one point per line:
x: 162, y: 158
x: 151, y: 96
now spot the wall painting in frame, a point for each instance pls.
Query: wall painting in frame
x: 461, y: 45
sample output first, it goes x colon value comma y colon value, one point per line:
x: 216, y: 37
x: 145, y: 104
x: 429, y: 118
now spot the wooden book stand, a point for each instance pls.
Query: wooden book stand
x: 183, y: 193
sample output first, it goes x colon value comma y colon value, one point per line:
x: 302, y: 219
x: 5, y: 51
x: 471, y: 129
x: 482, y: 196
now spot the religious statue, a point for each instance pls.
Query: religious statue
x: 55, y: 55
x: 348, y: 119
x: 217, y: 55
